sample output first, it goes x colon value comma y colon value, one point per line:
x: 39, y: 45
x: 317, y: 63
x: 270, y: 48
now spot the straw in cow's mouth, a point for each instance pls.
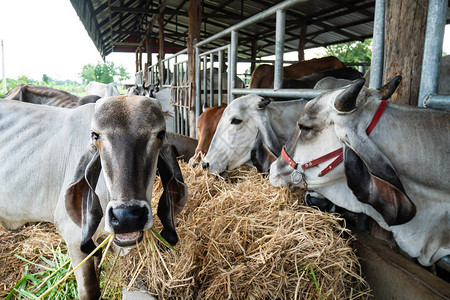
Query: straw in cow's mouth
x: 128, y: 239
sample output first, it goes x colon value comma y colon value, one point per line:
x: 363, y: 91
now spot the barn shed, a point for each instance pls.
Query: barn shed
x: 221, y: 34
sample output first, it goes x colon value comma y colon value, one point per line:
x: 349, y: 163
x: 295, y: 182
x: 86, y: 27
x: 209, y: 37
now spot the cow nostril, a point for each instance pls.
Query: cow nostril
x: 205, y: 165
x: 194, y: 165
x: 128, y: 219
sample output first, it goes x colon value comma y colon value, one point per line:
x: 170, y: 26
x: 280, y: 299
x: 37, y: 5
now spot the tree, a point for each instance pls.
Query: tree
x: 352, y: 52
x: 46, y: 79
x: 105, y: 73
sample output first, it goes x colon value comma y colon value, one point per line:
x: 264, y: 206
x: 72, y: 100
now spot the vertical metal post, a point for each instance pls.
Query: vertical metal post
x: 432, y: 53
x: 376, y: 66
x: 3, y: 70
x: 198, y: 101
x: 211, y: 80
x: 205, y: 82
x: 177, y: 116
x: 279, y: 49
x: 219, y: 78
x: 168, y: 73
x: 161, y: 71
x: 233, y: 63
x: 228, y: 74
x: 183, y: 116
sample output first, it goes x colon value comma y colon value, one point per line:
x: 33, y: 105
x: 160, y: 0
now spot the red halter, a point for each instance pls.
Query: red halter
x: 339, y: 152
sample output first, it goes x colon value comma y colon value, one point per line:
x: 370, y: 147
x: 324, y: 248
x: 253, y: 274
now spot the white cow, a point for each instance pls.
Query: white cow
x: 248, y: 124
x: 71, y: 167
x: 398, y: 174
x: 101, y: 89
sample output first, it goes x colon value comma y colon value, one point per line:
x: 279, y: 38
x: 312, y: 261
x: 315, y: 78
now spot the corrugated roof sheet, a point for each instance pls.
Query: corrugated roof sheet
x: 120, y: 25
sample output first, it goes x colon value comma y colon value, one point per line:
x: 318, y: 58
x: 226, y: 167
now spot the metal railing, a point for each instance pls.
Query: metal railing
x: 434, y: 35
x: 279, y: 10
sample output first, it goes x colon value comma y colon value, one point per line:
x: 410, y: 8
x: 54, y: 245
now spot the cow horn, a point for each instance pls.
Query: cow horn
x: 389, y: 88
x: 346, y: 101
x: 264, y: 102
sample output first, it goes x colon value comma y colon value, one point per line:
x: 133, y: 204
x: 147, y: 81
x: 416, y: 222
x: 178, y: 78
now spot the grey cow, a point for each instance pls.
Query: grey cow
x: 397, y: 172
x: 71, y: 167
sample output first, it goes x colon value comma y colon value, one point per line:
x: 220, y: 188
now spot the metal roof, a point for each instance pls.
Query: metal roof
x: 120, y: 25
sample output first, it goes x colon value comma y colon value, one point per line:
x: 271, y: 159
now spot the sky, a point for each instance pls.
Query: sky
x: 47, y: 37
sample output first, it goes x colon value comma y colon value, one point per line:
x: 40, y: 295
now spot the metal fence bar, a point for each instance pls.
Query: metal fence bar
x: 376, y: 67
x: 211, y: 80
x: 219, y: 77
x: 281, y: 93
x: 213, y: 50
x: 437, y: 101
x: 205, y: 87
x: 279, y: 49
x: 198, y: 100
x: 258, y: 17
x: 232, y: 63
x: 434, y: 36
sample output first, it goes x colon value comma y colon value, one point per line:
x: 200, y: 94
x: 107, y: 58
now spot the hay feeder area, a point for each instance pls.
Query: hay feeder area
x: 239, y: 238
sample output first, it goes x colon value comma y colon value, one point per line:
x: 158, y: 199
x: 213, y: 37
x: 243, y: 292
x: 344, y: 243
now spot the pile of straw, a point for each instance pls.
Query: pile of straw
x: 241, y: 238
x: 31, y: 242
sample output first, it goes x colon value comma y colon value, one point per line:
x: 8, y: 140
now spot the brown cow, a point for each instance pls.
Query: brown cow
x: 46, y: 95
x: 206, y: 125
x: 262, y: 77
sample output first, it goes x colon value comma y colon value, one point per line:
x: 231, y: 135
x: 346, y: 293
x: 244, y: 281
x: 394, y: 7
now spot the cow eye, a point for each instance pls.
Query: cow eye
x: 304, y: 128
x: 161, y: 135
x: 236, y: 121
x: 95, y: 135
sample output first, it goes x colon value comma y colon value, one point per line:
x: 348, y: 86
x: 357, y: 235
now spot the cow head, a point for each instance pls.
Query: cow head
x: 336, y: 119
x: 206, y: 127
x: 127, y: 133
x: 237, y: 134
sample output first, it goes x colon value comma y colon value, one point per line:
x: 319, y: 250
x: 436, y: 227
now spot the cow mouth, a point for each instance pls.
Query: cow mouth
x: 128, y: 239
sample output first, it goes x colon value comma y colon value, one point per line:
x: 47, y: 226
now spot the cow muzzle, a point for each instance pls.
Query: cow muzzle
x: 127, y: 220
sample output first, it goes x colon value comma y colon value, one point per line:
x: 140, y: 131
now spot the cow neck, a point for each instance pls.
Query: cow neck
x: 338, y: 153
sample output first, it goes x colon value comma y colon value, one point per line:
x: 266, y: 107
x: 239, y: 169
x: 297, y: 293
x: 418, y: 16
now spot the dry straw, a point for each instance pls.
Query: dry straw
x: 240, y: 238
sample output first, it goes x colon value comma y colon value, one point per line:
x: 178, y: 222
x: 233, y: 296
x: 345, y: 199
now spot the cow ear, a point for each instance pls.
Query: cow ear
x: 389, y: 88
x: 175, y: 192
x: 346, y: 101
x: 379, y: 186
x: 261, y: 156
x: 82, y: 203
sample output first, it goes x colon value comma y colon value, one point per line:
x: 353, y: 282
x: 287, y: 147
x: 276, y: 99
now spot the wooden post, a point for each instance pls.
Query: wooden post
x: 405, y: 24
x: 302, y: 43
x: 148, y: 46
x: 161, y: 52
x: 254, y: 51
x: 195, y: 19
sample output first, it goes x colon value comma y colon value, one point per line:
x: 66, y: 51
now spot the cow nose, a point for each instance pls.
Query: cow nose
x: 128, y: 219
x: 322, y: 204
x: 205, y: 165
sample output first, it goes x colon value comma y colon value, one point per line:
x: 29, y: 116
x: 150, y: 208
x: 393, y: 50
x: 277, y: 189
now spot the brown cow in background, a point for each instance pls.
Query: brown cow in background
x: 206, y: 125
x: 262, y: 77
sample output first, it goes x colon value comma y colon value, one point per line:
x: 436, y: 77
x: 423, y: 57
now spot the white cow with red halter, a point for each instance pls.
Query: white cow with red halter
x: 389, y: 175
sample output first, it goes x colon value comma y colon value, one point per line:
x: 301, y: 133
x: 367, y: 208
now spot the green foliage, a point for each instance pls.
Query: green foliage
x: 352, y: 52
x: 31, y: 285
x: 69, y: 86
x: 46, y: 79
x: 105, y: 73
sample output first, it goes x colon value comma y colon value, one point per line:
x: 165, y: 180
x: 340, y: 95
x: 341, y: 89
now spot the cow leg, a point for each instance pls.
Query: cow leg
x: 86, y: 275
